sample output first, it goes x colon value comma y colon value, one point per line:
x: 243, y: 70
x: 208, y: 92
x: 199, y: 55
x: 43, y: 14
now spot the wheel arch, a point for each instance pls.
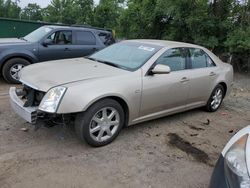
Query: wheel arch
x: 6, y: 59
x: 224, y: 85
x: 118, y: 99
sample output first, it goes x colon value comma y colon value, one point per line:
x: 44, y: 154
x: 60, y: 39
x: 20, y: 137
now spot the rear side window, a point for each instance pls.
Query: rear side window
x: 174, y: 58
x: 85, y: 38
x: 199, y: 59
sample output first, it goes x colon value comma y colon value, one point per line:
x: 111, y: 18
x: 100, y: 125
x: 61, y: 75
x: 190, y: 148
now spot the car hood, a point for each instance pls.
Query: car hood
x: 4, y: 41
x: 43, y: 76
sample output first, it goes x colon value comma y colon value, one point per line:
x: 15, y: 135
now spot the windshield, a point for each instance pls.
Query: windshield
x: 127, y: 55
x: 38, y: 34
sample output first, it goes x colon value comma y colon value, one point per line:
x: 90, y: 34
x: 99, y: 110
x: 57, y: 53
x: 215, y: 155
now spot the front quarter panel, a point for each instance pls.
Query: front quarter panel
x: 81, y: 95
x: 26, y: 51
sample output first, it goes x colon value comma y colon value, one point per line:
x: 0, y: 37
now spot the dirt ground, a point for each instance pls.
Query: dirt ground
x: 173, y: 152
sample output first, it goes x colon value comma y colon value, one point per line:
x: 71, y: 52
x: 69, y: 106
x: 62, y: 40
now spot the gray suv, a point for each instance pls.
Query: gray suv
x: 49, y: 43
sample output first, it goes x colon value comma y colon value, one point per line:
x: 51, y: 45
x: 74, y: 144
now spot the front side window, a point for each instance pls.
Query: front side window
x: 199, y: 59
x: 173, y: 58
x: 126, y: 55
x: 85, y: 38
x: 61, y: 37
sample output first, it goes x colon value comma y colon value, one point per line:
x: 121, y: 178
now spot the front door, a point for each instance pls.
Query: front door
x: 166, y: 93
x: 59, y: 48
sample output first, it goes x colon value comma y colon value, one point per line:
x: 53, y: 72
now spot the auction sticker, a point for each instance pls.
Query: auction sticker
x: 146, y: 48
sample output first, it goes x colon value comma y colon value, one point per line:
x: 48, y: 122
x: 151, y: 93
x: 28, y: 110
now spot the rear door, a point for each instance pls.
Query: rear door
x: 60, y: 47
x: 166, y: 93
x: 85, y: 43
x: 202, y: 73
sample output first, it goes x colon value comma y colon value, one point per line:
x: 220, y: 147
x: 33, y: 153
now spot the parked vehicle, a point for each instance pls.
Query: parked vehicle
x: 123, y: 84
x: 49, y: 43
x: 233, y: 166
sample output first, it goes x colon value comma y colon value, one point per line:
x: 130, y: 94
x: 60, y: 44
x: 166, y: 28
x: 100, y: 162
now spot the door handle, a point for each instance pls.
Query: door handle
x: 184, y: 79
x: 66, y: 49
x: 212, y: 74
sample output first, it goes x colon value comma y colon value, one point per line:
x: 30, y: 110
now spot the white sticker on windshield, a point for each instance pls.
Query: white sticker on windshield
x: 146, y: 48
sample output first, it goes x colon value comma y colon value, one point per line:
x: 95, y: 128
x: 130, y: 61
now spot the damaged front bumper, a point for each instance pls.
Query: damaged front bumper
x: 26, y: 106
x: 27, y: 113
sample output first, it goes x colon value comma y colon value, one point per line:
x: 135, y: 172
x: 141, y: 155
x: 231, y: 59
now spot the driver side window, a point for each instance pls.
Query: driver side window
x: 61, y: 37
x: 174, y: 58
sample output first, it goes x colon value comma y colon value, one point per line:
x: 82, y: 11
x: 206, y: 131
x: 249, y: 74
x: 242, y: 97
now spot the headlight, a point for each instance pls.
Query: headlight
x: 236, y: 165
x: 52, y: 99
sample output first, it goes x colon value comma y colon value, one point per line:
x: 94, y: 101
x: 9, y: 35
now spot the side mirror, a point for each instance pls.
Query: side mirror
x: 161, y: 69
x: 47, y: 42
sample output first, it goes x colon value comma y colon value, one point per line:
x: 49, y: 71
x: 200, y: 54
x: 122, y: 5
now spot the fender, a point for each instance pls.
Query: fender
x: 85, y: 93
x: 12, y: 53
x: 108, y: 95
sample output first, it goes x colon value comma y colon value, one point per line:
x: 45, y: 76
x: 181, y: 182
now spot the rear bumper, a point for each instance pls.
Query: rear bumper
x: 27, y: 113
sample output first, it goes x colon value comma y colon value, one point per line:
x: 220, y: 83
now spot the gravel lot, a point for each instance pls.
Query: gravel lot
x: 177, y: 151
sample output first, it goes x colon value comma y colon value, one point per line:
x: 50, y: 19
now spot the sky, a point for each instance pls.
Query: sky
x: 42, y: 3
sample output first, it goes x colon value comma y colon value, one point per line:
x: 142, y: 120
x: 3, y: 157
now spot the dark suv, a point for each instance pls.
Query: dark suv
x: 49, y: 43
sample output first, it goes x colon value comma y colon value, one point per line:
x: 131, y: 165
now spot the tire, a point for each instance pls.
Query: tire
x: 215, y: 100
x: 94, y: 119
x: 15, y: 64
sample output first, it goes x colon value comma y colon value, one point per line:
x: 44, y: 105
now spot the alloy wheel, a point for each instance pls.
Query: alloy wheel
x: 216, y: 98
x: 14, y: 70
x: 104, y: 124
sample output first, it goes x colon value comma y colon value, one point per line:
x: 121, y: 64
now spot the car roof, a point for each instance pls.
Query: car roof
x: 76, y: 28
x: 166, y: 43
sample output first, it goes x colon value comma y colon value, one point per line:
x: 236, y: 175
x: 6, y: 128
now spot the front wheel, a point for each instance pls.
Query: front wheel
x: 215, y: 99
x: 101, y: 123
x: 11, y: 69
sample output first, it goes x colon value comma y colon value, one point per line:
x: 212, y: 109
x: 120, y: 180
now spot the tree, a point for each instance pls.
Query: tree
x: 9, y: 9
x: 85, y: 11
x: 70, y: 11
x: 32, y: 12
x: 61, y: 11
x: 106, y: 14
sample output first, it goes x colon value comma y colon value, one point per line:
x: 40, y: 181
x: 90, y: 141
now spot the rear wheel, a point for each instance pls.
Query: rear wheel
x: 215, y: 99
x: 11, y: 69
x: 101, y: 123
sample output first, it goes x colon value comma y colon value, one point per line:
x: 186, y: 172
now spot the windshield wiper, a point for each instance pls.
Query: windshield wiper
x: 90, y: 58
x: 22, y: 38
x: 107, y: 63
x: 102, y: 61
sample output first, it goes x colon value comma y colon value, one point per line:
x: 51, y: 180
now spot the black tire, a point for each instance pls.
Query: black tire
x: 209, y: 107
x: 7, y: 68
x: 83, y: 122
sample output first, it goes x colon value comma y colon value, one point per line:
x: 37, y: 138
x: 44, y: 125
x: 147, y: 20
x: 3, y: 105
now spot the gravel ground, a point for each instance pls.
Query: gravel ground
x: 176, y: 151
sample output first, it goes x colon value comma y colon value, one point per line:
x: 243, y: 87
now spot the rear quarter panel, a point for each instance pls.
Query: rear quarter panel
x: 224, y: 72
x: 225, y: 75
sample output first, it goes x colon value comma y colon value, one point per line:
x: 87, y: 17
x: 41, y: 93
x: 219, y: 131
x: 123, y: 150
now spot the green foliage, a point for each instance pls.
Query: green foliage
x: 107, y: 13
x: 238, y: 40
x: 84, y: 11
x: 9, y: 9
x: 60, y: 11
x: 32, y: 12
x: 220, y: 25
x: 69, y: 11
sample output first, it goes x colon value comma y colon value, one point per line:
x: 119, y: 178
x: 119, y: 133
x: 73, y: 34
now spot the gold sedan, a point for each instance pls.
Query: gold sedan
x: 124, y: 84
